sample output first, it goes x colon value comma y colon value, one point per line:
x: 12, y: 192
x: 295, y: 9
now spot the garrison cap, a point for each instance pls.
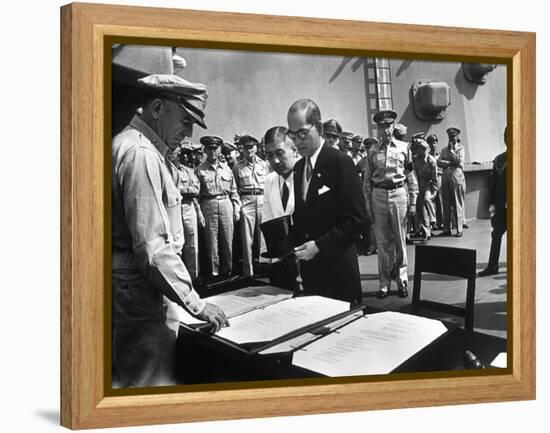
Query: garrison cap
x: 228, y: 147
x: 370, y: 141
x: 453, y: 132
x: 418, y: 136
x: 357, y: 139
x: 384, y: 116
x: 197, y: 147
x: 211, y: 141
x: 332, y: 127
x: 247, y: 140
x: 190, y: 96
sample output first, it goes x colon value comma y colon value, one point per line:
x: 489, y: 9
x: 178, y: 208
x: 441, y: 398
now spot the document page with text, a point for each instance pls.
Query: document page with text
x: 373, y: 344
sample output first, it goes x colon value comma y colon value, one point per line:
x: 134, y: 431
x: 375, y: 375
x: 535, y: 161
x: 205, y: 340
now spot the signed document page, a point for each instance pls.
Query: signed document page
x: 373, y: 344
x: 239, y: 301
x: 279, y: 319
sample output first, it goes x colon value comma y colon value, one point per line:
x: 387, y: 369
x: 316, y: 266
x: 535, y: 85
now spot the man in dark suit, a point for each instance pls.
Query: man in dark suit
x: 329, y: 209
x: 497, y: 209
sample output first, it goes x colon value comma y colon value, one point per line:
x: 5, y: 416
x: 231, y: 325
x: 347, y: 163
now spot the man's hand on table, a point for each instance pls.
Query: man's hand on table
x: 215, y: 316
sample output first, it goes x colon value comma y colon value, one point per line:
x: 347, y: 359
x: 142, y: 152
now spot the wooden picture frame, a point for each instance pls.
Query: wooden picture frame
x: 85, y: 27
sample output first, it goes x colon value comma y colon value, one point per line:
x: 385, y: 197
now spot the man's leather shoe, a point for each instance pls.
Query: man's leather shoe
x: 402, y: 291
x: 487, y: 271
x: 381, y: 294
x: 444, y: 234
x: 458, y: 234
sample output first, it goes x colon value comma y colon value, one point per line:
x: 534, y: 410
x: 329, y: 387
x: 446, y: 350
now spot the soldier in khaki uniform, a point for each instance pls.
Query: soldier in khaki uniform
x: 432, y: 141
x: 250, y: 175
x: 332, y: 131
x: 189, y: 187
x: 425, y: 167
x: 345, y: 142
x: 453, y: 185
x: 390, y: 186
x: 368, y: 233
x: 230, y: 153
x: 220, y: 206
x: 357, y: 148
x: 147, y: 234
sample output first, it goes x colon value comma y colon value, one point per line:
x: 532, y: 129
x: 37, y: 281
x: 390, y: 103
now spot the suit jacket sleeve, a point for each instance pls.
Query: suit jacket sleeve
x: 351, y: 204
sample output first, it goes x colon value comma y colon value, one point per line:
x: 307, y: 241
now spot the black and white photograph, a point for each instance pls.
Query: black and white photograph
x: 291, y: 216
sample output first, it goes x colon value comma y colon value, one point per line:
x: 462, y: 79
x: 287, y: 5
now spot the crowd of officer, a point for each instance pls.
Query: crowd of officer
x: 222, y: 188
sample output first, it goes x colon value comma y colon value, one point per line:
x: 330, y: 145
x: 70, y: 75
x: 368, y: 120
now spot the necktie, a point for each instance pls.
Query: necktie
x: 284, y: 195
x: 309, y: 169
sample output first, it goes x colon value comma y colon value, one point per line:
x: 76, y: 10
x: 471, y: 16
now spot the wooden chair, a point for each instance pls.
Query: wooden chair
x: 457, y: 262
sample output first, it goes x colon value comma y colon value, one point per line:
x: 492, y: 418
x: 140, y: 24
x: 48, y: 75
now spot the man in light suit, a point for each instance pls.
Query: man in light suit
x: 279, y: 198
x: 329, y: 209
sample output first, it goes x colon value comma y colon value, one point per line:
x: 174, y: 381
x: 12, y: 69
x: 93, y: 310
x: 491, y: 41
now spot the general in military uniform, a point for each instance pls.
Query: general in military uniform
x: 453, y: 183
x: 220, y: 206
x: 147, y: 234
x: 250, y: 173
x: 389, y: 186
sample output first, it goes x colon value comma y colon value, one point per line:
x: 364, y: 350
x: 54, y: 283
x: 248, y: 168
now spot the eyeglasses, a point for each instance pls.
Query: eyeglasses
x: 301, y: 134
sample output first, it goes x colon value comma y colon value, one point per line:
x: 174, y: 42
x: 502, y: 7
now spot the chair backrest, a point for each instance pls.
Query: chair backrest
x: 457, y: 262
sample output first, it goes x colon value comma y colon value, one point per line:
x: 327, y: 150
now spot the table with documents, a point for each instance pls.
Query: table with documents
x: 276, y: 335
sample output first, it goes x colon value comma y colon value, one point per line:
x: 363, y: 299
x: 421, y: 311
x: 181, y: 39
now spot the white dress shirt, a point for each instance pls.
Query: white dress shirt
x: 273, y: 204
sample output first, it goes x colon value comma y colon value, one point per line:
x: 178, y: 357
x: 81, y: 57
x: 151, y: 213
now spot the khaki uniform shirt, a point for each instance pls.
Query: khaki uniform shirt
x: 451, y: 157
x: 389, y: 165
x: 426, y: 173
x: 189, y: 184
x: 217, y: 180
x: 250, y: 175
x: 146, y: 215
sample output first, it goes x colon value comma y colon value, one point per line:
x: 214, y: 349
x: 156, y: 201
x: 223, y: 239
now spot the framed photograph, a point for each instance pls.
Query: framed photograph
x: 184, y: 115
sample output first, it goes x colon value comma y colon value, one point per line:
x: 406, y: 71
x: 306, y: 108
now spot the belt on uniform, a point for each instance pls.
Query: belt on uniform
x: 214, y: 197
x: 389, y: 187
x: 253, y: 192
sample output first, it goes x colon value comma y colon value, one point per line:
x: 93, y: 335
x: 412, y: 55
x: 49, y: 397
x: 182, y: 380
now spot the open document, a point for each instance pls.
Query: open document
x: 373, y: 344
x: 240, y: 301
x: 281, y: 318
